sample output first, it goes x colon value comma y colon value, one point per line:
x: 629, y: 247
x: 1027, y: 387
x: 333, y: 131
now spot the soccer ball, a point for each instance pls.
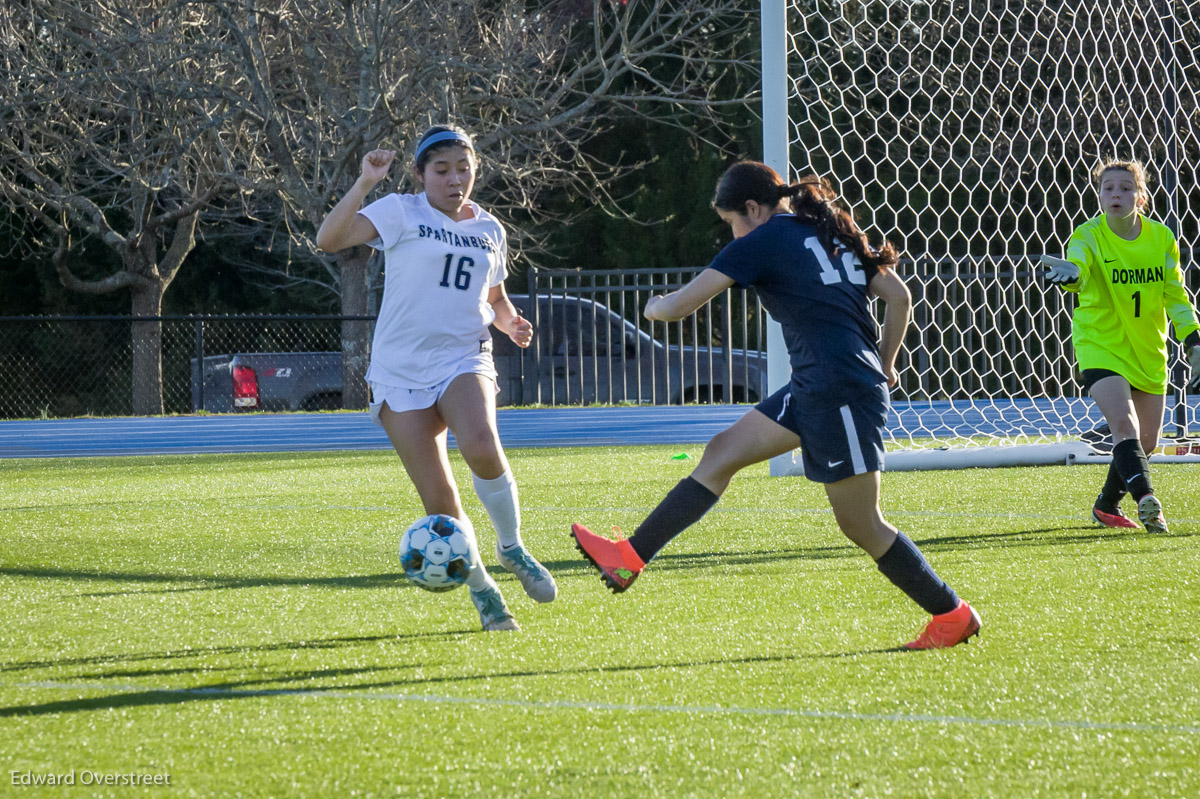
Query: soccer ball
x: 436, y: 553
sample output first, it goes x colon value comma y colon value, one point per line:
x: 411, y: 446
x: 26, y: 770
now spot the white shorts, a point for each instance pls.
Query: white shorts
x: 415, y: 399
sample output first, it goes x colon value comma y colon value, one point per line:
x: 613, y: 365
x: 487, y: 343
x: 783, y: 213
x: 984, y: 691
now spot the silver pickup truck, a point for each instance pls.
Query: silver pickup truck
x: 583, y: 352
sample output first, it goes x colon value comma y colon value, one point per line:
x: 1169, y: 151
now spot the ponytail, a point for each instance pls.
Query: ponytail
x: 814, y: 202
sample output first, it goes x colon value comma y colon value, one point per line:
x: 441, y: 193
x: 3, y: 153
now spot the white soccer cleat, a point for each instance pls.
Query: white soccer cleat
x: 533, y: 576
x: 1151, y: 515
x: 494, y: 615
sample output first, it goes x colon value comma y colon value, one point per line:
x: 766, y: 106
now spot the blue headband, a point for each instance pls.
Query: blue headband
x: 445, y: 135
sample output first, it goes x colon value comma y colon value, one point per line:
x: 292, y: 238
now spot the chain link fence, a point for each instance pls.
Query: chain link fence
x: 591, y: 346
x: 977, y: 336
x: 60, y: 366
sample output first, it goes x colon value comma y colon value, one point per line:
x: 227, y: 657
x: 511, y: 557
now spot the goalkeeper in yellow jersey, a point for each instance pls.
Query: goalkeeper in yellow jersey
x: 1125, y: 268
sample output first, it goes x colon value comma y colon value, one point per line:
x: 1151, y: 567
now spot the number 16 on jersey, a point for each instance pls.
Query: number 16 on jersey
x: 462, y: 278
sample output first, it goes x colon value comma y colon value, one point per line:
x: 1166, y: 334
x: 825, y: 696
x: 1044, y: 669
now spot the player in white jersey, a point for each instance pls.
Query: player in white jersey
x: 431, y: 358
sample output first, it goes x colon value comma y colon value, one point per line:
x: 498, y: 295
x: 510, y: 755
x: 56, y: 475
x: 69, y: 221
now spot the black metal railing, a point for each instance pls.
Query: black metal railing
x: 591, y: 346
x: 981, y: 331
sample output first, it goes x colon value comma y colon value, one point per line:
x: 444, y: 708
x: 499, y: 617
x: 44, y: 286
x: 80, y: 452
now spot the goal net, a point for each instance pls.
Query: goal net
x: 965, y: 131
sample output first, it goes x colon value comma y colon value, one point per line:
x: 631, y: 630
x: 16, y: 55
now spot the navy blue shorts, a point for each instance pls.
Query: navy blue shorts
x: 835, y: 443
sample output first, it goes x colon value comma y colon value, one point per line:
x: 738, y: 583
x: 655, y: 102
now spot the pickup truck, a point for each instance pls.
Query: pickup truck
x: 268, y: 381
x: 583, y: 352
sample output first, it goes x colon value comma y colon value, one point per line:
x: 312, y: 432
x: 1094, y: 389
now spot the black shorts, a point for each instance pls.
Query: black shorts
x: 836, y: 443
x: 1093, y: 376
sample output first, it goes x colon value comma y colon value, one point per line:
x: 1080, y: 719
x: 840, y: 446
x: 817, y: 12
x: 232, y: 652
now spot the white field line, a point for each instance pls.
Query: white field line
x: 825, y: 511
x: 687, y: 710
x: 589, y: 512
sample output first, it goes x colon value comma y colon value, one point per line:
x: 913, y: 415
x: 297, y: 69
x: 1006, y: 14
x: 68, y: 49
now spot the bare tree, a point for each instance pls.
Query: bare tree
x: 107, y: 133
x: 131, y: 123
x: 325, y: 81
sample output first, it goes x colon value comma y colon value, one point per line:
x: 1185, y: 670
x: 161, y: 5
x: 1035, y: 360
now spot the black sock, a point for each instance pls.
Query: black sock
x: 1131, y: 463
x: 908, y: 570
x: 1113, y: 491
x: 679, y: 509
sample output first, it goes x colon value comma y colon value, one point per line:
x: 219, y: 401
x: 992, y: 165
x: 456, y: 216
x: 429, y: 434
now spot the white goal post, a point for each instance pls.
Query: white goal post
x: 964, y: 130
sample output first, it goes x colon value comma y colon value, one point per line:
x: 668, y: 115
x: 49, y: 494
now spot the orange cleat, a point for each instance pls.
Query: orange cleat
x: 1117, y: 519
x: 948, y: 629
x: 618, y: 563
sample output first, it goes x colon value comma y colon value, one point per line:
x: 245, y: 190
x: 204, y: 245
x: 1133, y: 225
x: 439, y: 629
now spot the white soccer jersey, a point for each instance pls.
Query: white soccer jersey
x: 437, y: 273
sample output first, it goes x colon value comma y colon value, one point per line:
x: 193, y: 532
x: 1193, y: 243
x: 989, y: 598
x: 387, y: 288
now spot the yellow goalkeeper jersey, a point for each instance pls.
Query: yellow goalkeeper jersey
x: 1127, y: 291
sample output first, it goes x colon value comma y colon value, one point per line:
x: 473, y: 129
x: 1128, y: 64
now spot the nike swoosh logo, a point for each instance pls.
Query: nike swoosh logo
x: 1110, y: 260
x: 835, y: 464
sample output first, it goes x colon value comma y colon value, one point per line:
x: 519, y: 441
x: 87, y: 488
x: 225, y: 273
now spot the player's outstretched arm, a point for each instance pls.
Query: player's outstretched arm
x: 687, y: 300
x: 1059, y: 271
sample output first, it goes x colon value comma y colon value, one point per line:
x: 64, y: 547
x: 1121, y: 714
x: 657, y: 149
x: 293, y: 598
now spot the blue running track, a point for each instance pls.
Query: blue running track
x: 519, y: 427
x: 317, y: 432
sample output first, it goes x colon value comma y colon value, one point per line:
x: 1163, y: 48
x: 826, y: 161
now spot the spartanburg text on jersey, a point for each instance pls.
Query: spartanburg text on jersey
x: 819, y: 300
x: 437, y: 276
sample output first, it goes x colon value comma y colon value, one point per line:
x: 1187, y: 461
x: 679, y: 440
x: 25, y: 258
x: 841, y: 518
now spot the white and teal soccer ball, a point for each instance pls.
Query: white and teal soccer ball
x: 436, y: 553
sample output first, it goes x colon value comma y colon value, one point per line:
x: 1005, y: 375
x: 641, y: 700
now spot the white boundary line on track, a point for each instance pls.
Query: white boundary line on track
x: 524, y: 704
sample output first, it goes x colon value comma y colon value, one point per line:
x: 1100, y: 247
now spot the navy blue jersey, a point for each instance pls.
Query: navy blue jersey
x: 820, y: 301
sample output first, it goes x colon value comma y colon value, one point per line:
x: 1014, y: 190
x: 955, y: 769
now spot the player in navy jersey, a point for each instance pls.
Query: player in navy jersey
x: 814, y: 271
x: 431, y: 358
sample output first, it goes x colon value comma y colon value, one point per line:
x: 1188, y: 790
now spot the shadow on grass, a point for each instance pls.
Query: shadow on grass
x: 1046, y: 536
x: 251, y: 688
x: 1042, y: 537
x: 1083, y: 533
x: 200, y: 582
x: 183, y: 583
x: 283, y: 646
x: 179, y: 583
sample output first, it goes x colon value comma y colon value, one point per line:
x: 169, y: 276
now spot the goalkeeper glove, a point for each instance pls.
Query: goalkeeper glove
x: 1193, y: 359
x: 1060, y: 272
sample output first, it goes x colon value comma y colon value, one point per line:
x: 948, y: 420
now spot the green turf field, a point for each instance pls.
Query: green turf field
x: 237, y: 624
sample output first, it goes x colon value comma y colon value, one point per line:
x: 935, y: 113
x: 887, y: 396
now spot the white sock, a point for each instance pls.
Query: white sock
x: 479, y: 579
x: 499, y: 498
